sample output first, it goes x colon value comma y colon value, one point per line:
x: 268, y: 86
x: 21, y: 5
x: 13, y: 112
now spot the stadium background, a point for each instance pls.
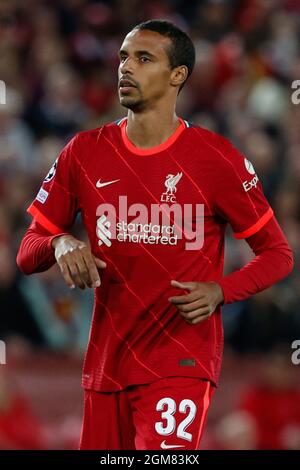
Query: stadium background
x: 59, y: 61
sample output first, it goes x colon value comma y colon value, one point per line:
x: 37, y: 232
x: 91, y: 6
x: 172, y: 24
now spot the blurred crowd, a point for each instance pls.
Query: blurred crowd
x: 59, y: 62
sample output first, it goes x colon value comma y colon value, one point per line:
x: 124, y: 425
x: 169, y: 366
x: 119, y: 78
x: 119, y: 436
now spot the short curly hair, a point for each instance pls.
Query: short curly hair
x: 182, y: 49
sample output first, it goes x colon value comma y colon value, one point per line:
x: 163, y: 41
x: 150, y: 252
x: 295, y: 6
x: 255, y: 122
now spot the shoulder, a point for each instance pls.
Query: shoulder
x: 95, y: 135
x: 84, y: 141
x: 223, y: 153
x: 216, y: 142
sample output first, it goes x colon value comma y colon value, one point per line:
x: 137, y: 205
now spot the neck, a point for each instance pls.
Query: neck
x: 151, y: 128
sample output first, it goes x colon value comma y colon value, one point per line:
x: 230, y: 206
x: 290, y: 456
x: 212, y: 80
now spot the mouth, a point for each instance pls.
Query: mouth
x: 126, y: 86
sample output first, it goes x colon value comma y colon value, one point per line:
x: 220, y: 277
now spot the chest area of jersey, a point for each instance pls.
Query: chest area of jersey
x: 150, y: 201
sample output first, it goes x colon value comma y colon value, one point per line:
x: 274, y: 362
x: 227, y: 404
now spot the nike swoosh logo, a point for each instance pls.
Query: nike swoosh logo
x: 101, y: 185
x: 163, y: 445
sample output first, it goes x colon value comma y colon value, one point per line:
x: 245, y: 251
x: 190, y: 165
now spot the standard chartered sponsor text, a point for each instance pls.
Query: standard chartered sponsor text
x: 146, y: 233
x: 154, y: 224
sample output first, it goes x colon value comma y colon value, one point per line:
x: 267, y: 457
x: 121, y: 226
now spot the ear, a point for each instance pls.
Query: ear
x: 179, y: 75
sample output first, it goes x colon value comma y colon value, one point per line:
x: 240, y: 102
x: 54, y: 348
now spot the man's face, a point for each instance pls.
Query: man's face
x: 144, y: 70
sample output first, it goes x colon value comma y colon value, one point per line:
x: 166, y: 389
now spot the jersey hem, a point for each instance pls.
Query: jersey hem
x: 91, y: 385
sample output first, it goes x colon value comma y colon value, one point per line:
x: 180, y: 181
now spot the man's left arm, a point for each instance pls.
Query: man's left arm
x: 273, y: 261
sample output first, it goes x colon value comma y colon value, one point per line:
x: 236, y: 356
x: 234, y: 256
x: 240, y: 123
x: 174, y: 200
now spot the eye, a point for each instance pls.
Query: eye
x: 144, y: 59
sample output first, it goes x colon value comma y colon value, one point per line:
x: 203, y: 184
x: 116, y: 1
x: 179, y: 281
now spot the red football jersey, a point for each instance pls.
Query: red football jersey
x: 153, y: 215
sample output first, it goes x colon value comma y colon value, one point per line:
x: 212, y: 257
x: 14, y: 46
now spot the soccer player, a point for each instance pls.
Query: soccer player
x: 155, y: 194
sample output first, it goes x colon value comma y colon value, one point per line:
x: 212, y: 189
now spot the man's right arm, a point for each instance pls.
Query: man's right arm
x: 39, y: 250
x: 35, y: 253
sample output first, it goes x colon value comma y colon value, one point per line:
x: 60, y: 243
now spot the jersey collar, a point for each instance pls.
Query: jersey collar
x: 152, y: 150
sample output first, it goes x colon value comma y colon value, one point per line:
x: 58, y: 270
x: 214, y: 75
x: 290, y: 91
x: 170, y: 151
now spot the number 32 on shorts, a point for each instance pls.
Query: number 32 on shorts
x: 168, y: 408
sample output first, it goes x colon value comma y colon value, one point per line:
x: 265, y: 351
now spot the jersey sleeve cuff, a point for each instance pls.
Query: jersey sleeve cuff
x: 256, y: 227
x: 42, y: 220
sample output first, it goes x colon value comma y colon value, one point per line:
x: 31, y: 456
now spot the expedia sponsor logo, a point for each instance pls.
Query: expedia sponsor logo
x: 249, y: 184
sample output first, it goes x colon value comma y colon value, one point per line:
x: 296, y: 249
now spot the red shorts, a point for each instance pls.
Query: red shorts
x: 166, y: 414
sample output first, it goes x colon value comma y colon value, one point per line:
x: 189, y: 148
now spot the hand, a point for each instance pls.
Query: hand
x: 200, y: 302
x: 78, y: 265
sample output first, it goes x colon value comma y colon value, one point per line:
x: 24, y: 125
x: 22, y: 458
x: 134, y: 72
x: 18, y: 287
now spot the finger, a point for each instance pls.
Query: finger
x: 94, y: 276
x: 186, y: 298
x: 66, y: 274
x: 198, y: 319
x: 72, y: 266
x: 184, y: 285
x: 196, y: 313
x: 99, y: 263
x: 202, y: 303
x: 83, y: 269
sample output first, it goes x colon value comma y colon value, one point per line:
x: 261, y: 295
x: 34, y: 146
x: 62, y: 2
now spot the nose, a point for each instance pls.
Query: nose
x: 126, y: 66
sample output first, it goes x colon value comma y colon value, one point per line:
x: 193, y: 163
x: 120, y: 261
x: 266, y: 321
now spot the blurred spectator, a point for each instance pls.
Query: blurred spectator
x: 16, y: 317
x: 237, y: 431
x: 17, y: 150
x: 265, y: 319
x: 60, y: 110
x: 41, y: 310
x: 268, y: 413
x: 19, y: 427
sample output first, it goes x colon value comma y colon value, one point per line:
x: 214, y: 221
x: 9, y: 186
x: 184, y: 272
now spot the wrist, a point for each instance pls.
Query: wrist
x: 222, y: 292
x: 57, y: 239
x: 219, y: 293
